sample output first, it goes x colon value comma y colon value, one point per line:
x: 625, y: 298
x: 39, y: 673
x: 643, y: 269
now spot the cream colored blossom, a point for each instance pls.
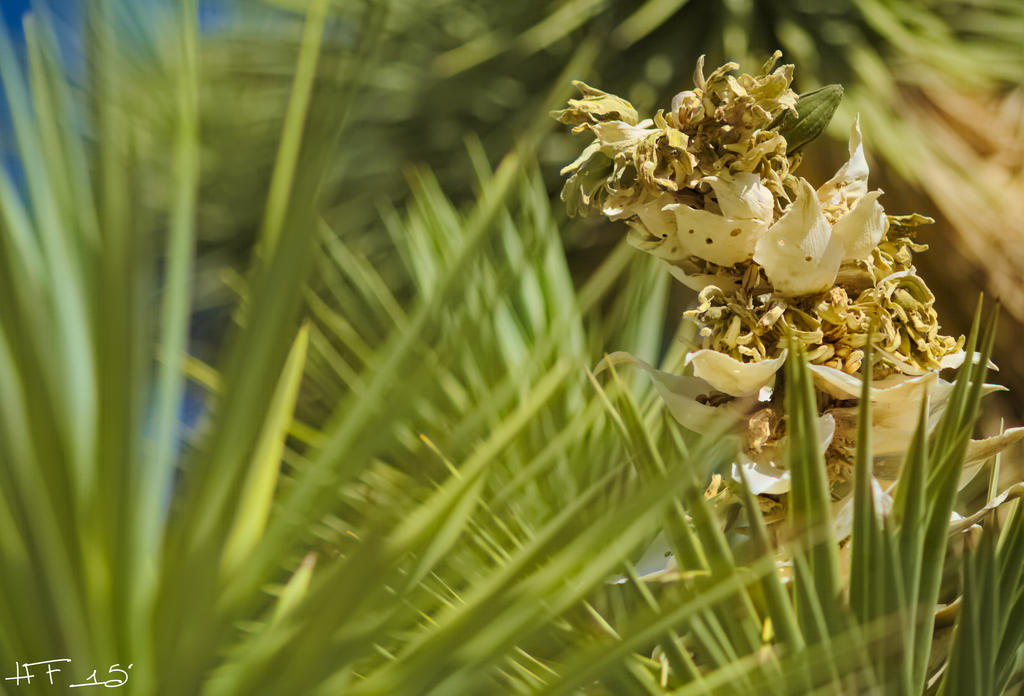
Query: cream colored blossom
x: 799, y: 254
x: 708, y: 188
x: 841, y: 221
x: 731, y: 376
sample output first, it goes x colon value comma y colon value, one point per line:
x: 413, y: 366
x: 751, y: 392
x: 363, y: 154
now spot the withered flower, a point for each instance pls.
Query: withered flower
x: 709, y: 187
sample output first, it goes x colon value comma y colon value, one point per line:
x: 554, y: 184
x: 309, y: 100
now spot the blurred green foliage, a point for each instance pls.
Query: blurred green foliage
x: 404, y: 481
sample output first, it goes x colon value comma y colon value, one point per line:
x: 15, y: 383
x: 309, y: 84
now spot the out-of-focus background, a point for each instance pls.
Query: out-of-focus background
x: 379, y: 348
x: 938, y: 86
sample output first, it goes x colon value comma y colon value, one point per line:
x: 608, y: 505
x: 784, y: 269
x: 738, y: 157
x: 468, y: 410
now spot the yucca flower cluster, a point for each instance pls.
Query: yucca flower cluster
x: 709, y: 187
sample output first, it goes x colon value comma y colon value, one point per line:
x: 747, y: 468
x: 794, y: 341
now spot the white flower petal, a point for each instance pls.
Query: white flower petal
x: 891, y: 431
x: 619, y: 134
x: 826, y: 431
x: 762, y: 473
x: 959, y: 523
x: 901, y: 363
x: 743, y: 197
x: 862, y: 228
x: 657, y: 558
x: 843, y: 522
x: 956, y: 359
x: 698, y: 281
x: 850, y: 183
x: 950, y: 361
x: 727, y: 374
x: 584, y: 156
x: 680, y: 395
x: 656, y: 234
x: 980, y: 451
x: 895, y: 388
x: 799, y: 254
x: 836, y: 383
x: 894, y: 421
x: 762, y: 477
x: 896, y: 398
x: 718, y: 239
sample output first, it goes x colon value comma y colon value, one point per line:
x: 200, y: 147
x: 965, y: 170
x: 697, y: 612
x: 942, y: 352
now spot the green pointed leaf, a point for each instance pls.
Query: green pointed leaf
x: 257, y: 492
x: 814, y: 111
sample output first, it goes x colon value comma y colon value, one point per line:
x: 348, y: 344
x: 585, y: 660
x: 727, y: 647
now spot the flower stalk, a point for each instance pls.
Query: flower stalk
x: 710, y: 187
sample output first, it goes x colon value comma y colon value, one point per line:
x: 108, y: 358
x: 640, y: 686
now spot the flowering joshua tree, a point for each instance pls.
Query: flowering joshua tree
x: 709, y: 187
